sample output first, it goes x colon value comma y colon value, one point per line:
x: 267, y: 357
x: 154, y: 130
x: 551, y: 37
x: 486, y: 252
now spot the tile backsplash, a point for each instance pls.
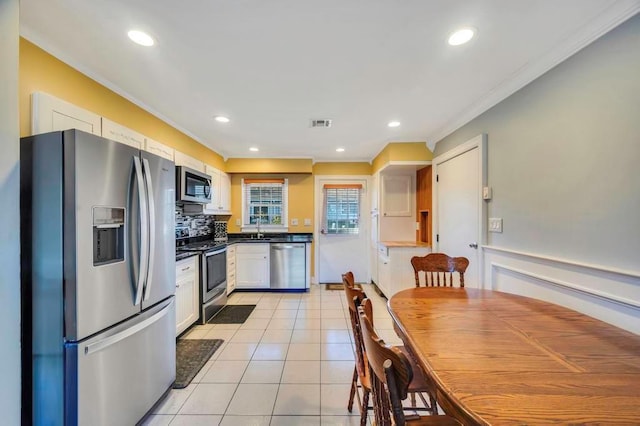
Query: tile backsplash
x: 199, y: 224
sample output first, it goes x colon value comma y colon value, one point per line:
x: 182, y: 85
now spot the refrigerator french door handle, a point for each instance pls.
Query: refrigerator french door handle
x: 144, y: 231
x: 118, y: 337
x: 152, y: 228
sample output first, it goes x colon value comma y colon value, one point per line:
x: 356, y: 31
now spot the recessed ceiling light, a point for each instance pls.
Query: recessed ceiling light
x: 141, y: 38
x: 461, y: 36
x: 393, y: 124
x: 222, y: 119
x: 254, y: 149
x: 339, y: 149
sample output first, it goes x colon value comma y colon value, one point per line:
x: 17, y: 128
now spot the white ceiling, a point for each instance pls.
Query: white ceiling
x: 271, y: 66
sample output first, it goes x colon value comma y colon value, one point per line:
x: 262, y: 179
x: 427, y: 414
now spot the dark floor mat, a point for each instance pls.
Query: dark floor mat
x: 338, y: 286
x: 191, y: 355
x: 232, y: 314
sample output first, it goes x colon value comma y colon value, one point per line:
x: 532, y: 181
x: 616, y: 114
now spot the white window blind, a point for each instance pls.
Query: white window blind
x: 341, y: 209
x: 264, y: 201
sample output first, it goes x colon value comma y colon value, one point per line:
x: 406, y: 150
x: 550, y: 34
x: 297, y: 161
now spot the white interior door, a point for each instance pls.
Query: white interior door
x: 458, y: 207
x: 337, y: 253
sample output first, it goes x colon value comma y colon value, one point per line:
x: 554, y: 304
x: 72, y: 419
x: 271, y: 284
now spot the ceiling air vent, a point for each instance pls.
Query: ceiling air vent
x: 325, y: 122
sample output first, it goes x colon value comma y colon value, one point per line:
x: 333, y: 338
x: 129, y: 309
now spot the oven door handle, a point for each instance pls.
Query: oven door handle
x: 214, y: 252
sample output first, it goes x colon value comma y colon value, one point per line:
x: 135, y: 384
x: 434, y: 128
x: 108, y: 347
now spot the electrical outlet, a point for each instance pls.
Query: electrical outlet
x: 307, y: 222
x: 495, y: 224
x: 238, y: 222
x: 294, y: 222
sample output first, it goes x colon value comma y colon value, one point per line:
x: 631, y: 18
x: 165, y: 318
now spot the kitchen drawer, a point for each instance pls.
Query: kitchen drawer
x: 253, y: 248
x: 186, y: 267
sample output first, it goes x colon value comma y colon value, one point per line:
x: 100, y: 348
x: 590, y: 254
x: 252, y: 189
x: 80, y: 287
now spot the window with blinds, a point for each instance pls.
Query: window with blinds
x: 264, y: 201
x: 341, y: 209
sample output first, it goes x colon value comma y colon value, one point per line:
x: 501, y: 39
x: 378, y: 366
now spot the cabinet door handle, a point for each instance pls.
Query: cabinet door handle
x: 177, y: 286
x: 186, y: 269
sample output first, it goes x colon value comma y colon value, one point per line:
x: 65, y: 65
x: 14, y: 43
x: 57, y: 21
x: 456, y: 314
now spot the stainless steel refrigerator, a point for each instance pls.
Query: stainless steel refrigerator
x: 98, y: 263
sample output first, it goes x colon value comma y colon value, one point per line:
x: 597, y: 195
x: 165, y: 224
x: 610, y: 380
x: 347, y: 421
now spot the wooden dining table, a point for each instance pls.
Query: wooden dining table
x: 498, y: 358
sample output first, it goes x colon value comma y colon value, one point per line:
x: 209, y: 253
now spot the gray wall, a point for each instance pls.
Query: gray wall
x: 9, y: 216
x: 564, y: 156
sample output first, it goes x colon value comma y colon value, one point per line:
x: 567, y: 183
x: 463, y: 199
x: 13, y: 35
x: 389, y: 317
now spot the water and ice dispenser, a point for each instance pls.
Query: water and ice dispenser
x: 108, y: 235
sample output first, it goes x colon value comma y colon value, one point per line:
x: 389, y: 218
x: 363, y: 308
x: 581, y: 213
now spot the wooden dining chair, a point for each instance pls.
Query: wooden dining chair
x: 421, y: 385
x: 391, y: 374
x: 360, y: 379
x: 348, y: 279
x: 438, y: 269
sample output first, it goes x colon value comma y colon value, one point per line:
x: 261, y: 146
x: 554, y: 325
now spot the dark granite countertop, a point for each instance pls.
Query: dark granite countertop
x: 180, y: 255
x: 271, y: 238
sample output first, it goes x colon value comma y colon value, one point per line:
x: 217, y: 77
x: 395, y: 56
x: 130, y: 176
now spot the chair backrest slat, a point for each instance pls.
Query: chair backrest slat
x: 438, y: 269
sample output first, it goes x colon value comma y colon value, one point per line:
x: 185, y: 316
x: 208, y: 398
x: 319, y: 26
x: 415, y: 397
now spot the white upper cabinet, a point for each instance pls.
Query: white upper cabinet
x: 225, y: 192
x: 397, y: 194
x: 184, y: 160
x: 157, y: 148
x: 220, y: 192
x: 49, y: 114
x: 119, y: 133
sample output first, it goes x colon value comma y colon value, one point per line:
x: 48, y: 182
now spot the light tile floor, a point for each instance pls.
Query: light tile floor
x: 290, y: 363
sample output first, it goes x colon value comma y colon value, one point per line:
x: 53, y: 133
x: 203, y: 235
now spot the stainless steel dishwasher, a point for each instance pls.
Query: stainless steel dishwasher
x: 288, y: 266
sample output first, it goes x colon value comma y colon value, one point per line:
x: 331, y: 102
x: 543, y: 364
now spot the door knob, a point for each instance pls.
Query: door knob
x: 473, y: 245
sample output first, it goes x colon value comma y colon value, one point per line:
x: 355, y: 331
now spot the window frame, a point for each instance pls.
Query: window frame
x: 265, y: 228
x: 325, y: 229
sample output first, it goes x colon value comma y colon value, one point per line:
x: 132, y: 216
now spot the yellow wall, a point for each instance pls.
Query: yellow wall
x: 300, y: 199
x: 402, y: 151
x: 41, y: 72
x: 269, y: 165
x: 354, y: 168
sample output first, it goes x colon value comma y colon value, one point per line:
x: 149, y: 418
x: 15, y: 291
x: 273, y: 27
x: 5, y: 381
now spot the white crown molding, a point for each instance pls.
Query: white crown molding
x: 30, y: 35
x: 334, y: 160
x: 610, y: 18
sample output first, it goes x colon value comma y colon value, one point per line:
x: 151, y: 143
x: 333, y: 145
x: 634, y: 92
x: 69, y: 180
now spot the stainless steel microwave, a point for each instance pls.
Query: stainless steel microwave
x: 192, y: 186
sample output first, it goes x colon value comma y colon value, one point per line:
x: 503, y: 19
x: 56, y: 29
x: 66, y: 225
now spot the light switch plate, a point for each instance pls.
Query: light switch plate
x: 294, y: 222
x: 495, y: 224
x: 307, y: 222
x: 238, y: 222
x: 487, y: 192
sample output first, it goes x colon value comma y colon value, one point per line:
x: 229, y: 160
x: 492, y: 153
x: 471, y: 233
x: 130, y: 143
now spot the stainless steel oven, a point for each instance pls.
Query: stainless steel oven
x: 214, y: 282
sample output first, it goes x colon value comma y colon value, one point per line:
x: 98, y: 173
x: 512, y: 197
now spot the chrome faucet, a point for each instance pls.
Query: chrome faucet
x: 260, y: 235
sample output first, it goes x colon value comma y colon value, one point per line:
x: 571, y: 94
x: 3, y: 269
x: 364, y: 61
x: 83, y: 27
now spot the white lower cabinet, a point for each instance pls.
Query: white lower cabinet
x: 186, y: 293
x: 252, y: 265
x: 395, y: 272
x: 231, y: 269
x: 384, y: 274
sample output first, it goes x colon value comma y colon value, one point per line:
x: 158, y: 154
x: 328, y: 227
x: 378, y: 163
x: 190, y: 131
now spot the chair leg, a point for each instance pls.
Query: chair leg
x: 365, y: 409
x: 354, y: 385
